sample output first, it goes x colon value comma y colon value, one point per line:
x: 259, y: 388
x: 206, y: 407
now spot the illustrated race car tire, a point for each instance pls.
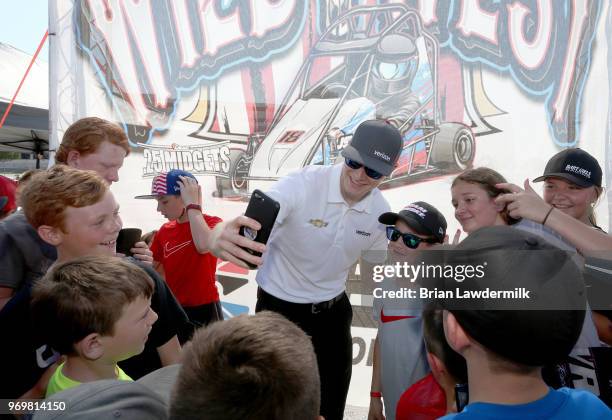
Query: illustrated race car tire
x: 453, y: 147
x: 235, y: 184
x: 239, y: 171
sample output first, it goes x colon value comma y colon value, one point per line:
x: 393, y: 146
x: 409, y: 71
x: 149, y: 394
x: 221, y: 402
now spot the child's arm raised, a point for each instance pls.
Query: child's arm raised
x: 191, y: 194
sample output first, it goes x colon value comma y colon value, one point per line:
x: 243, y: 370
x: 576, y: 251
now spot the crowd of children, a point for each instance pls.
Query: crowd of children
x: 144, y: 336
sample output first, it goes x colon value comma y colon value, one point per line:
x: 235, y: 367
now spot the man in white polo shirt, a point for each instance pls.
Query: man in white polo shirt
x: 328, y: 217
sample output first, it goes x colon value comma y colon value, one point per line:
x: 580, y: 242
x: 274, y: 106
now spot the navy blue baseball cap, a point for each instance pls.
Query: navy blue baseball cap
x: 166, y: 183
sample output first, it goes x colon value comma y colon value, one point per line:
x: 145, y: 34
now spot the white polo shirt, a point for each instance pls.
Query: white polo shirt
x: 318, y: 236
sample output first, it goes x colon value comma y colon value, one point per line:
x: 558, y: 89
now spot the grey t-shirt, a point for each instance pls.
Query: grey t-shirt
x: 403, y: 357
x: 588, y: 337
x: 545, y: 232
x: 24, y: 256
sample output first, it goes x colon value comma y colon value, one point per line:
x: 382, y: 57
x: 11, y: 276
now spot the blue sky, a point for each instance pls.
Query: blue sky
x: 23, y: 24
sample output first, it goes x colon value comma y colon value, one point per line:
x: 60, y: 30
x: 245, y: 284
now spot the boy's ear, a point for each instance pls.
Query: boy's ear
x: 73, y: 158
x: 456, y: 337
x: 434, y: 363
x: 90, y: 347
x: 51, y: 235
x: 500, y: 207
x: 438, y: 370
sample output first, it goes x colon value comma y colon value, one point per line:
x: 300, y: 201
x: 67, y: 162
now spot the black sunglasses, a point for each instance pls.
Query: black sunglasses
x: 369, y: 172
x: 410, y: 240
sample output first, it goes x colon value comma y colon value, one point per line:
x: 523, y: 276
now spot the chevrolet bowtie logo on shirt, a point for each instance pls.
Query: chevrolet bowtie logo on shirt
x: 318, y: 223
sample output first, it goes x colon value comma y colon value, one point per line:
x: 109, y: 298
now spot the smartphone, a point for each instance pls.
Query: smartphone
x: 462, y: 397
x: 264, y: 209
x: 126, y: 240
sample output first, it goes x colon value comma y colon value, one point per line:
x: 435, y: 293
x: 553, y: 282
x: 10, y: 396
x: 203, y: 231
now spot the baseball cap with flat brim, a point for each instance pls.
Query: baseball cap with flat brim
x: 422, y: 217
x: 574, y: 165
x: 377, y: 145
x: 166, y: 183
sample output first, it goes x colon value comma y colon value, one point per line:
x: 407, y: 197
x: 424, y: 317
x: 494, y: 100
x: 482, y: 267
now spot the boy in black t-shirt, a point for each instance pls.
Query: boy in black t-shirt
x: 75, y: 211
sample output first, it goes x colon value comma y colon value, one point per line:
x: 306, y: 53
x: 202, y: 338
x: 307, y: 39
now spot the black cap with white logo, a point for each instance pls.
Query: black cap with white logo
x: 376, y: 144
x: 574, y: 165
x: 422, y: 217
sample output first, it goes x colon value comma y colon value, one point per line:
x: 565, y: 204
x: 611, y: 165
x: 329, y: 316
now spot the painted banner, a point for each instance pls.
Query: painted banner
x: 242, y: 92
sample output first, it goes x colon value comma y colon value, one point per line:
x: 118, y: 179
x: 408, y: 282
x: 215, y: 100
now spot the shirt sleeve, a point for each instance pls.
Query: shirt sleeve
x: 171, y: 316
x: 212, y: 221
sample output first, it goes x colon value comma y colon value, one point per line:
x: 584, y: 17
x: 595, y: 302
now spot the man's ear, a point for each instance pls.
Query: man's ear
x: 456, y: 337
x: 90, y: 347
x: 51, y: 235
x: 73, y: 158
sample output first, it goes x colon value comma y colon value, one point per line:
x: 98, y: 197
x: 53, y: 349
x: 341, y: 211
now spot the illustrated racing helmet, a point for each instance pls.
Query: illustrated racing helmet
x: 395, y: 65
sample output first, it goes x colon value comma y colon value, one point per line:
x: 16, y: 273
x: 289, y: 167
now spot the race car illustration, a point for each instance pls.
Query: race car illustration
x: 372, y: 62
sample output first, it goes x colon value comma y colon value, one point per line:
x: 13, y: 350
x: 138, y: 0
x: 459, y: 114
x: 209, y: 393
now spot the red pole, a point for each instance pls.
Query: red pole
x: 8, y: 109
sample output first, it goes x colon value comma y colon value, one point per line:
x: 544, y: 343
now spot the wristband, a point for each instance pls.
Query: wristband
x: 193, y: 207
x: 547, y: 214
x: 375, y: 394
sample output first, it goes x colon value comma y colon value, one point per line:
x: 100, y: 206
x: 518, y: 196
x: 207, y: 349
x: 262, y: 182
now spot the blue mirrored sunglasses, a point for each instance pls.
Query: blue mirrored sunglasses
x: 369, y: 172
x: 410, y: 240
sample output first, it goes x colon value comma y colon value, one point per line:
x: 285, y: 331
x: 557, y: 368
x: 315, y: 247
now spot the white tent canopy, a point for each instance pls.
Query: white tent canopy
x: 26, y: 128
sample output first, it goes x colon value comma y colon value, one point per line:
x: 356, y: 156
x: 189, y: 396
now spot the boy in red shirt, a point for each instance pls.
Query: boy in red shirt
x: 180, y: 247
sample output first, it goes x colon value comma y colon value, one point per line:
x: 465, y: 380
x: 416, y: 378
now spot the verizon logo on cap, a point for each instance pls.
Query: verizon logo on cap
x: 382, y: 155
x: 577, y: 170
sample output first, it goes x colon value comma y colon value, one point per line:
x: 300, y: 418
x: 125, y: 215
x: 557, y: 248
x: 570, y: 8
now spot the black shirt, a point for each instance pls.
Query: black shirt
x: 26, y: 356
x: 171, y: 318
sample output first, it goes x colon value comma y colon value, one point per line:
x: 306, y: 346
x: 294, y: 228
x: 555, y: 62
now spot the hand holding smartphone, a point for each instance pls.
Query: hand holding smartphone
x: 264, y: 209
x: 126, y: 240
